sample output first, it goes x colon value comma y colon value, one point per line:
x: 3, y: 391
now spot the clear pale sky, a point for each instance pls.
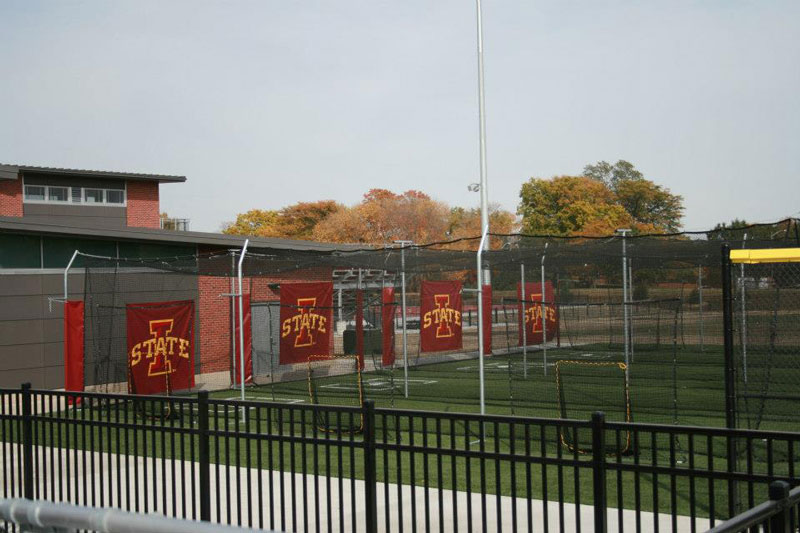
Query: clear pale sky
x: 265, y: 103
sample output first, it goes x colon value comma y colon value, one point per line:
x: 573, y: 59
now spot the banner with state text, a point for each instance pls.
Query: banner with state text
x: 388, y: 313
x: 440, y: 316
x: 533, y: 312
x: 306, y: 321
x: 160, y: 346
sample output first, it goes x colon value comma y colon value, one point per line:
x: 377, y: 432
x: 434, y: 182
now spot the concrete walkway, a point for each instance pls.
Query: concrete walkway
x: 241, y: 496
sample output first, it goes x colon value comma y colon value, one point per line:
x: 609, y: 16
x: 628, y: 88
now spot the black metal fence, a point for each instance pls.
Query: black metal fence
x: 281, y: 466
x: 779, y: 514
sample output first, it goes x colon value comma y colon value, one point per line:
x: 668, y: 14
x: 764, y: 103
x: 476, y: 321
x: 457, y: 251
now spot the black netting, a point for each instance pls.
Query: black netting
x: 661, y: 314
x: 766, y: 324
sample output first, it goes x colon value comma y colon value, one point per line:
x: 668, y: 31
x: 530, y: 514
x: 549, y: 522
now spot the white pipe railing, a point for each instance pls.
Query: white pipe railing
x: 66, y: 274
x: 41, y: 516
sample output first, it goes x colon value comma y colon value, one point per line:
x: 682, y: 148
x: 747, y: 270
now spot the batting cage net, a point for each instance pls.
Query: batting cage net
x: 766, y: 338
x: 399, y: 325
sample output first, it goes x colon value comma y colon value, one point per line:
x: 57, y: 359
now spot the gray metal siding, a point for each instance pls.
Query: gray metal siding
x: 97, y: 217
x: 31, y: 335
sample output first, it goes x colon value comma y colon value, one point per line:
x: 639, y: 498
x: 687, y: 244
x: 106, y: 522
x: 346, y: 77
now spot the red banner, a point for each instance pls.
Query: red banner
x: 248, y: 342
x: 533, y: 312
x: 387, y: 326
x: 160, y: 346
x: 487, y: 319
x: 306, y: 321
x: 73, y: 346
x: 440, y: 321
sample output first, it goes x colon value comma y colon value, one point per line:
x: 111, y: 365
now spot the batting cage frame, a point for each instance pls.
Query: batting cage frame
x: 762, y: 336
x: 652, y: 303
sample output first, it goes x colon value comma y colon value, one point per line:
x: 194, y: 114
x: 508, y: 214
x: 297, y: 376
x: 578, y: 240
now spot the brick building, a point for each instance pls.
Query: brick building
x: 48, y: 213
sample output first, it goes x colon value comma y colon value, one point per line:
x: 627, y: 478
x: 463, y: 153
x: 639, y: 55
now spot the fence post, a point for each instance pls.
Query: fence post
x: 27, y: 442
x: 599, y: 471
x: 204, y: 456
x: 730, y: 374
x: 370, y: 480
x: 779, y: 493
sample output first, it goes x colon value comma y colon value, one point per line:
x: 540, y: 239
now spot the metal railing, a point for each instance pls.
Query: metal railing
x: 286, y: 466
x: 47, y: 517
x: 779, y: 514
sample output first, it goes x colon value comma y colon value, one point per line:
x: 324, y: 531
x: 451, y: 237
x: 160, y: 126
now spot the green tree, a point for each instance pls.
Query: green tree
x: 612, y: 174
x: 652, y: 207
x: 570, y: 205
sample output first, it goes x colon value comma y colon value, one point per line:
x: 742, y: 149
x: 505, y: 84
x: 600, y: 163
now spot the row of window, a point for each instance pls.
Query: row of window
x: 57, y: 194
x: 33, y: 251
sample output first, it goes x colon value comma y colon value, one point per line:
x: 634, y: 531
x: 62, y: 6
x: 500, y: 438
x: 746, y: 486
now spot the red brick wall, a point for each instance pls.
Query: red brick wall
x: 215, y: 317
x: 11, y: 198
x: 143, y: 204
x: 215, y: 324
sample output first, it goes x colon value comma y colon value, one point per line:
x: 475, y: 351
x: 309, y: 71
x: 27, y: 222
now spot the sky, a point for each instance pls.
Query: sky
x: 266, y: 103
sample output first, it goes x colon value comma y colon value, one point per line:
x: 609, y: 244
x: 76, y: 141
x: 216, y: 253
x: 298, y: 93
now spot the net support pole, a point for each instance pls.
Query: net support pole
x: 544, y: 315
x: 241, y: 319
x: 403, y: 245
x: 232, y: 309
x: 700, y: 304
x: 744, y: 314
x: 66, y: 274
x: 480, y: 321
x: 624, y: 233
x: 523, y: 321
x: 630, y: 312
x: 730, y: 370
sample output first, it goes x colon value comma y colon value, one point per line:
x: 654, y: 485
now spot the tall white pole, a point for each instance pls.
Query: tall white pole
x: 482, y: 121
x: 544, y: 316
x: 483, y: 277
x: 523, y: 321
x: 241, y: 319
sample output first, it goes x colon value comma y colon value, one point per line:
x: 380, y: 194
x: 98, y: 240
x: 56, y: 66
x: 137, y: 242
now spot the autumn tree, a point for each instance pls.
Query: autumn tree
x: 464, y: 223
x: 296, y: 221
x: 570, y: 205
x: 254, y: 222
x: 605, y: 198
x: 383, y: 217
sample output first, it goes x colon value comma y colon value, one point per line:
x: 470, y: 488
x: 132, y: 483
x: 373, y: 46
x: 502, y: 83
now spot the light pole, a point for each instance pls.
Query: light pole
x: 483, y: 276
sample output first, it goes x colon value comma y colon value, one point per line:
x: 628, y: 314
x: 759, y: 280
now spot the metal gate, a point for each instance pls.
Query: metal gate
x: 266, y: 326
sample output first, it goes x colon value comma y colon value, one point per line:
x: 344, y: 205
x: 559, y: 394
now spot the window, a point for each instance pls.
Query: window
x: 35, y: 192
x: 115, y: 197
x: 66, y: 194
x: 58, y: 194
x: 93, y: 196
x: 58, y: 250
x: 20, y: 251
